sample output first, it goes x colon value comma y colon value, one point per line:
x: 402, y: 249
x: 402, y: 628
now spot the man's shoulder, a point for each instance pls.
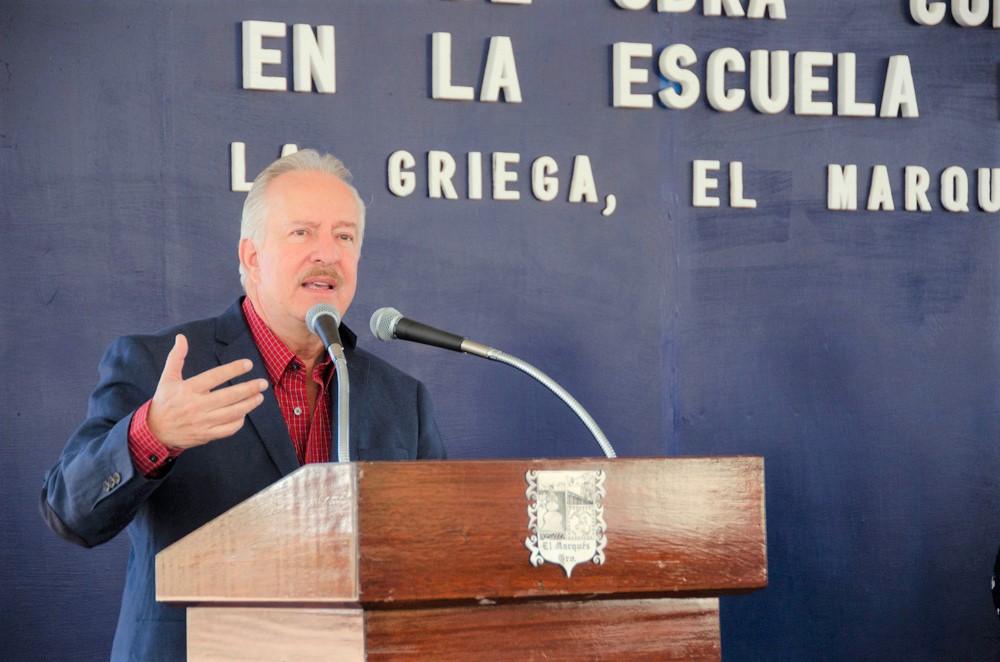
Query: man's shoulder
x: 224, y: 326
x: 379, y: 373
x: 230, y: 320
x: 378, y: 367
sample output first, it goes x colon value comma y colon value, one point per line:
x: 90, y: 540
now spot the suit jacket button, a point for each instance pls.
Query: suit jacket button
x: 116, y: 477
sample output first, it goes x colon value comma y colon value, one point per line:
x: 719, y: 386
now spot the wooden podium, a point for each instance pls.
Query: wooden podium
x: 428, y: 560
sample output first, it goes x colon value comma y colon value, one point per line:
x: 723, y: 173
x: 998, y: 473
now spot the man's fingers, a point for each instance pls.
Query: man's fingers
x: 223, y: 397
x: 172, y: 369
x: 208, y: 380
x: 192, y: 428
x: 227, y: 420
x: 228, y: 429
x: 189, y: 412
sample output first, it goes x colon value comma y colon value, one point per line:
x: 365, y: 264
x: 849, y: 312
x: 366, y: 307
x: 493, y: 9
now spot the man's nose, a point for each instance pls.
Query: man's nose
x: 326, y: 249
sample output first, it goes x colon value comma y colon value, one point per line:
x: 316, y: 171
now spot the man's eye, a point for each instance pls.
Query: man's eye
x: 347, y: 237
x: 299, y: 233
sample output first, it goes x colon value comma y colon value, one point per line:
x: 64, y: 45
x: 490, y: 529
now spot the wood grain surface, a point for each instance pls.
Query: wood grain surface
x: 273, y: 634
x: 295, y: 541
x: 435, y: 554
x: 662, y: 629
x: 456, y: 530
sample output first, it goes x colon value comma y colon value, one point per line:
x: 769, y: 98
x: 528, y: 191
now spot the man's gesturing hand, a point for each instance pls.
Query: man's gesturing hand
x: 188, y: 412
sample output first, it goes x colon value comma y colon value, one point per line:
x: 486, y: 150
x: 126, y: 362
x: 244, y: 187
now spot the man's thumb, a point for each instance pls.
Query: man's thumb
x: 175, y: 359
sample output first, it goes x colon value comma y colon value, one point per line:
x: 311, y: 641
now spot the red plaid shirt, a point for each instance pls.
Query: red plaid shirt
x: 310, y: 431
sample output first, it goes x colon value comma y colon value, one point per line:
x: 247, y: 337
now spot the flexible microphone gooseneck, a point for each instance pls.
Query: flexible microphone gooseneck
x: 389, y: 323
x: 324, y: 320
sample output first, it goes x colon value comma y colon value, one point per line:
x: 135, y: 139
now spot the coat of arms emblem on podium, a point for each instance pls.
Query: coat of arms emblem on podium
x: 566, y: 517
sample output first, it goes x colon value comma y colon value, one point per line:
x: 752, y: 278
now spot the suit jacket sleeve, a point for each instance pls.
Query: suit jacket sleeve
x: 429, y: 445
x: 94, y: 491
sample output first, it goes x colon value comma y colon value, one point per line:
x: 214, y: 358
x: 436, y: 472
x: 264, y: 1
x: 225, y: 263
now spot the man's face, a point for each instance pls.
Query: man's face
x: 309, y: 251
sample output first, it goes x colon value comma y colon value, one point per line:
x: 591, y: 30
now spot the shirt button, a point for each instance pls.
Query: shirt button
x: 298, y: 411
x: 154, y: 459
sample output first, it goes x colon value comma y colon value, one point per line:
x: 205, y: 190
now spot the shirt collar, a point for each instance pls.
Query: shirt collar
x: 277, y: 357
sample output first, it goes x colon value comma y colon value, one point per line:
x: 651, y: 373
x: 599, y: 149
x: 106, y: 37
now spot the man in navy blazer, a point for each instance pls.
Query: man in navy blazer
x: 186, y: 423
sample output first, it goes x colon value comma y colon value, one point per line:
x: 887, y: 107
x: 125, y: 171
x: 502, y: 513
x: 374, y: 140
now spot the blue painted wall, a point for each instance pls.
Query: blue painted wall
x: 857, y: 352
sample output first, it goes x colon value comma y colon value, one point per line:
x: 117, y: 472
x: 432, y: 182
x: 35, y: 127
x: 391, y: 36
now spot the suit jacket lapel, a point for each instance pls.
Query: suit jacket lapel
x: 235, y: 342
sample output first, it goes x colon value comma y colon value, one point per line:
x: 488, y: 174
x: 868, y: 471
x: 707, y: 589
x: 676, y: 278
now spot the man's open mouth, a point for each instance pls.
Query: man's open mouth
x: 319, y: 285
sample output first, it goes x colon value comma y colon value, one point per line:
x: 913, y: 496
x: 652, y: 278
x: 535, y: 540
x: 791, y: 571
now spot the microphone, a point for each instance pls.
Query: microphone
x: 389, y: 323
x: 324, y: 320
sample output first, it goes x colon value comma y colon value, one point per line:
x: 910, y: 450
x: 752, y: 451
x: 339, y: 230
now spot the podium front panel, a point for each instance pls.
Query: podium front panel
x: 448, y: 531
x: 686, y: 630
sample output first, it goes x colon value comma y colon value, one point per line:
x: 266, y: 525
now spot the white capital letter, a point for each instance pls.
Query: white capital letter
x: 927, y: 13
x: 701, y: 183
x: 806, y: 83
x: 474, y: 180
x: 502, y: 176
x: 441, y: 87
x: 716, y: 7
x: 880, y: 193
x: 841, y: 187
x: 440, y: 170
x: 989, y: 195
x: 916, y: 181
x: 736, y: 199
x: 313, y: 59
x: 581, y: 183
x: 775, y: 8
x: 847, y: 89
x: 402, y: 181
x: 623, y: 75
x: 970, y: 13
x: 899, y: 96
x: 955, y: 189
x: 500, y: 73
x: 544, y: 186
x: 671, y: 63
x: 255, y: 56
x: 720, y: 62
x: 238, y: 168
x: 769, y: 86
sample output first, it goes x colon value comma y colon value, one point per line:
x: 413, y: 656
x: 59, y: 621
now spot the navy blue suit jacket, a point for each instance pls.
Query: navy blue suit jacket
x: 93, y: 491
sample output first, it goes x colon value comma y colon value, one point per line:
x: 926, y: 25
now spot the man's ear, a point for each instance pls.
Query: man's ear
x: 249, y: 258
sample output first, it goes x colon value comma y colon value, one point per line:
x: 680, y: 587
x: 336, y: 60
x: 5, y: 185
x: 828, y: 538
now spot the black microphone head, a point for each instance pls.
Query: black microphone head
x: 384, y: 321
x: 320, y: 310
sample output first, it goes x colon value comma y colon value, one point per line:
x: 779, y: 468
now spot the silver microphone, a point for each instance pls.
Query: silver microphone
x: 324, y: 320
x: 389, y: 323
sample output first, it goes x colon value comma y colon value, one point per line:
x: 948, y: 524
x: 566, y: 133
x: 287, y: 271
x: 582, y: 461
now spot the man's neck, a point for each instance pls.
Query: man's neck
x: 305, y: 345
x: 311, y: 353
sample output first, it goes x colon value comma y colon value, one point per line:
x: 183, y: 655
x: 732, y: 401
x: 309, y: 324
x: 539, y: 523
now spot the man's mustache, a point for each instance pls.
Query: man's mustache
x: 319, y: 272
